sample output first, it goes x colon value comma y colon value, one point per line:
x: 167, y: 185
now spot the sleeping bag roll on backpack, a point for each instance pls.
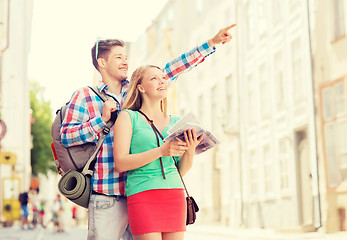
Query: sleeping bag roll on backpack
x: 76, y: 187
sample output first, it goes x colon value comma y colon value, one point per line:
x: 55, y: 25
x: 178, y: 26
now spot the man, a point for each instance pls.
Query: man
x: 87, y: 115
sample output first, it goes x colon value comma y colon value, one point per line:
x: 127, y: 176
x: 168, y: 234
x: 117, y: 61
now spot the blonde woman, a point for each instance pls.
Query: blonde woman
x: 156, y: 198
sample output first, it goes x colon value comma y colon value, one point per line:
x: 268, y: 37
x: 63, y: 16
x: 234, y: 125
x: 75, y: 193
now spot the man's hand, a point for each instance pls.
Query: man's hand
x: 108, y: 107
x: 222, y: 37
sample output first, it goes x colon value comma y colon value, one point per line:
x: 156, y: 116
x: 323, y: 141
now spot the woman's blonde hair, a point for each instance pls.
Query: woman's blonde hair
x: 134, y: 99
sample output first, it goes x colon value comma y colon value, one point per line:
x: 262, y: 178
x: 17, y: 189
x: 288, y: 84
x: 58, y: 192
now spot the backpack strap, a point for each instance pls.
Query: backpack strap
x: 102, y: 95
x: 106, y: 129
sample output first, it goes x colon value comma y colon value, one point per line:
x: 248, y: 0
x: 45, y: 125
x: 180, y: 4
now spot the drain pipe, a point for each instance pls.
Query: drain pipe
x: 314, y: 120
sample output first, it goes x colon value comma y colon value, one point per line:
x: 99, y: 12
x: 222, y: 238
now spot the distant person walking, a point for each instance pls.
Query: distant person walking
x: 24, y: 199
x: 42, y: 213
x: 57, y: 214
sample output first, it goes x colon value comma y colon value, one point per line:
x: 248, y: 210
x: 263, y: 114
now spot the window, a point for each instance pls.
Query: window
x: 199, y: 5
x: 250, y: 23
x: 297, y: 69
x: 334, y: 101
x: 342, y: 147
x: 253, y: 171
x: 339, y: 19
x: 279, y: 80
x: 262, y: 20
x: 251, y: 108
x: 229, y: 100
x: 170, y: 15
x: 201, y: 108
x: 214, y: 105
x: 284, y: 161
x: 330, y: 145
x: 295, y: 4
x: 276, y: 11
x: 264, y: 90
x: 268, y: 170
x: 340, y: 98
x: 335, y: 132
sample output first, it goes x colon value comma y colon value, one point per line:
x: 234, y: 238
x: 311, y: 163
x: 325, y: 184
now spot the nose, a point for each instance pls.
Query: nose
x: 162, y: 80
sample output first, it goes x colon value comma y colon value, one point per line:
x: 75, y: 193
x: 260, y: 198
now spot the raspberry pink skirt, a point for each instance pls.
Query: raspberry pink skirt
x: 159, y: 210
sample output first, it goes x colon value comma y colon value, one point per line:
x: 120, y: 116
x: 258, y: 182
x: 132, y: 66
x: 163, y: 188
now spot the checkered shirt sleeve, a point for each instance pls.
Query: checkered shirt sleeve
x: 187, y: 61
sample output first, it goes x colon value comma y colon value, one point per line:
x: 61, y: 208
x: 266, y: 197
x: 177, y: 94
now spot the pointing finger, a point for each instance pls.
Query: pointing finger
x: 229, y: 27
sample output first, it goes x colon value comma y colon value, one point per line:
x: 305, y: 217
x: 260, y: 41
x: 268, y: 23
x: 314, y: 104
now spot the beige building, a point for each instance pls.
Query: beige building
x: 279, y: 115
x: 15, y: 103
x: 329, y: 47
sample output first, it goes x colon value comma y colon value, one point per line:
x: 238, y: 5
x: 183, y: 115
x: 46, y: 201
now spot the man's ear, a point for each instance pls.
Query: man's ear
x: 140, y: 88
x: 101, y: 62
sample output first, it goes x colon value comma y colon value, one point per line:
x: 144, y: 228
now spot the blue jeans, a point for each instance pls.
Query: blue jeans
x: 108, y: 218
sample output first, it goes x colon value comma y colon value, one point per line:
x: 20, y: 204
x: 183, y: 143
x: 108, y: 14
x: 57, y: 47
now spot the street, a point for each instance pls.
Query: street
x: 40, y: 233
x: 194, y: 232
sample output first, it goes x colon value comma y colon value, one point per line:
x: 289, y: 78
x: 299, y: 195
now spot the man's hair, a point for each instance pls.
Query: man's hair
x: 104, y: 47
x: 134, y: 99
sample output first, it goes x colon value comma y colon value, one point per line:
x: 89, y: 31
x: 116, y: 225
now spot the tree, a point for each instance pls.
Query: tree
x: 41, y: 155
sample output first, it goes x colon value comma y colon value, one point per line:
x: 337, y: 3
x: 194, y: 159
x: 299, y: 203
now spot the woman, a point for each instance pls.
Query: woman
x: 156, y: 199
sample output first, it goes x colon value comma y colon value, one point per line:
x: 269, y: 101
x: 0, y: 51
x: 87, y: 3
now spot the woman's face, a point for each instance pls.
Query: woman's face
x: 154, y: 84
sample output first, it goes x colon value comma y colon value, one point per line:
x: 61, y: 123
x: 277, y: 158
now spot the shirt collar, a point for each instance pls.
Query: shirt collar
x: 103, y: 87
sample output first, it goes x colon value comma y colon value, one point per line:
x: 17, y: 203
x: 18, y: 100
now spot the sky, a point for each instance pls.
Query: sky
x: 64, y: 31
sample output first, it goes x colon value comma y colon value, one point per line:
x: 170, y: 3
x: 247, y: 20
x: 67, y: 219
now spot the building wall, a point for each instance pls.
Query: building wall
x: 329, y: 46
x: 275, y: 87
x: 15, y: 101
x: 256, y: 95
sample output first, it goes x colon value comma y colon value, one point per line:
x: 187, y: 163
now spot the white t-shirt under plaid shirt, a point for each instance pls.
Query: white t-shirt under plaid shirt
x: 83, y: 122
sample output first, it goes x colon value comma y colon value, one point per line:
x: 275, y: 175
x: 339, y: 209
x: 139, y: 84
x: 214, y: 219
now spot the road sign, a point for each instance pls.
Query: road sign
x: 8, y: 158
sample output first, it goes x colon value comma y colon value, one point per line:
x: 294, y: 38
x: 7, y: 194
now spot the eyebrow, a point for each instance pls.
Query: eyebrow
x: 119, y: 54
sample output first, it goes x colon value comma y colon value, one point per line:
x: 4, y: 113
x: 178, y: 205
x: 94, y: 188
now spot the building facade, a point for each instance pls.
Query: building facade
x: 275, y: 97
x: 329, y: 47
x: 15, y: 104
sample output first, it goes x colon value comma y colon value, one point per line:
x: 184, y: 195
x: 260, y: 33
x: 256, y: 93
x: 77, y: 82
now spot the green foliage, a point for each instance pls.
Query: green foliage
x: 41, y: 155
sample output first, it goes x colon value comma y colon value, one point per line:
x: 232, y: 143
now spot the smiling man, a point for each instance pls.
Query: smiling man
x: 87, y: 115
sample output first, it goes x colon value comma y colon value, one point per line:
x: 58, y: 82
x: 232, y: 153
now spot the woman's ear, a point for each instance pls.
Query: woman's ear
x: 140, y: 88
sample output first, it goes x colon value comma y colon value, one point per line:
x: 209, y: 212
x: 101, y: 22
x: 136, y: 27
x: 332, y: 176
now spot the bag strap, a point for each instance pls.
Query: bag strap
x: 106, y: 129
x: 156, y: 131
x: 102, y: 95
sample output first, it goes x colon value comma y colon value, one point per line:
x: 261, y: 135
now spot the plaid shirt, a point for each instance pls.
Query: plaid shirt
x: 83, y: 122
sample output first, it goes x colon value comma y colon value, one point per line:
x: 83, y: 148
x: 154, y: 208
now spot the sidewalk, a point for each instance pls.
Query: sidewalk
x: 261, y: 234
x: 16, y: 233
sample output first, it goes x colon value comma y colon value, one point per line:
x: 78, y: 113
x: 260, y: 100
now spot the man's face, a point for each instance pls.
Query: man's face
x: 116, y: 64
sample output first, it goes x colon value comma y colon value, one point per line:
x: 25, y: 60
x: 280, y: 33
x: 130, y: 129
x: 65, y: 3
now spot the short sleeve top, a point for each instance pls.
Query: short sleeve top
x: 150, y: 176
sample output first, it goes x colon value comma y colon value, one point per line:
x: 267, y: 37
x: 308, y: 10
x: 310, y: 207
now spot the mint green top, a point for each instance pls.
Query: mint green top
x: 150, y: 177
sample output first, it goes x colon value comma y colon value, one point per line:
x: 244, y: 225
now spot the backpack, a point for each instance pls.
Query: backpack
x: 23, y: 198
x: 74, y: 157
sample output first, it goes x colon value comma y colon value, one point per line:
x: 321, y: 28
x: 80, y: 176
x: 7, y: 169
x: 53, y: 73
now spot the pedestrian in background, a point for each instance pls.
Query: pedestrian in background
x: 42, y: 213
x: 24, y: 200
x: 34, y: 206
x: 57, y: 214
